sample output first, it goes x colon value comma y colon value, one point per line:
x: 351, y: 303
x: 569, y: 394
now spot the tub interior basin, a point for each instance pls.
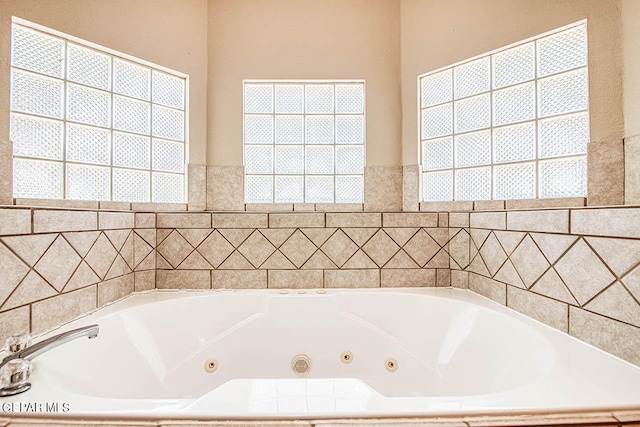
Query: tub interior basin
x: 161, y: 349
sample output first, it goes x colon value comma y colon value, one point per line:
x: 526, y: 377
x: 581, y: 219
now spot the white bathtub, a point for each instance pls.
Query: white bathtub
x: 456, y: 353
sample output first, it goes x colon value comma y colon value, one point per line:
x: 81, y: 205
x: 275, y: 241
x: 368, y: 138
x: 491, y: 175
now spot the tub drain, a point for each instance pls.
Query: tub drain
x: 301, y: 364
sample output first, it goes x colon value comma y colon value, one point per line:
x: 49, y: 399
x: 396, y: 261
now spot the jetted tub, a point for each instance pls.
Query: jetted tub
x: 365, y: 352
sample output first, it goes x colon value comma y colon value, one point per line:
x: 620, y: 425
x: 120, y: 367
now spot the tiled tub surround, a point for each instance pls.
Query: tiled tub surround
x: 57, y: 265
x: 577, y: 270
x: 302, y: 250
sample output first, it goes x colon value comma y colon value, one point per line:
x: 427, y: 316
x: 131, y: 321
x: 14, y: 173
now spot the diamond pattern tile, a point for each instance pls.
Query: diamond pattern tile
x: 195, y: 261
x: 553, y: 245
x: 359, y: 260
x: 380, y: 248
x: 583, y: 272
x: 440, y: 260
x: 277, y: 236
x: 400, y: 235
x: 616, y: 302
x: 117, y: 237
x: 256, y: 249
x: 30, y: 247
x: 459, y: 246
x: 509, y: 240
x: 58, y: 263
x: 339, y: 248
x: 421, y: 247
x: 13, y: 271
x: 361, y: 235
x: 175, y: 248
x: 194, y: 236
x: 141, y: 249
x: 493, y: 254
x: 101, y: 256
x: 277, y: 261
x: 401, y: 260
x: 551, y: 285
x: 478, y: 266
x: 319, y: 261
x: 215, y: 249
x: 632, y: 282
x: 318, y: 235
x: 32, y: 288
x: 508, y: 274
x: 236, y: 261
x: 84, y: 276
x: 529, y: 261
x: 118, y: 268
x: 298, y: 248
x: 236, y: 236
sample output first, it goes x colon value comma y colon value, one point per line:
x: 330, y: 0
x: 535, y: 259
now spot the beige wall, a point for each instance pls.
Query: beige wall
x: 437, y: 33
x: 170, y: 33
x: 631, y: 43
x: 304, y: 39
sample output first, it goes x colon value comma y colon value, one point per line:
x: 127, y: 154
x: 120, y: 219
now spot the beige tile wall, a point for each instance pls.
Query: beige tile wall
x: 58, y: 265
x: 302, y: 250
x: 577, y: 270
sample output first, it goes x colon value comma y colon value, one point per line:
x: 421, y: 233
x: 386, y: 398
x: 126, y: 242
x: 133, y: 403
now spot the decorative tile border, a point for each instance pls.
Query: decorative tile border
x: 575, y: 270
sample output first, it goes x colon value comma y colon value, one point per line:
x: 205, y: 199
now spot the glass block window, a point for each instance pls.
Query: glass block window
x: 304, y: 141
x: 510, y: 124
x: 89, y: 124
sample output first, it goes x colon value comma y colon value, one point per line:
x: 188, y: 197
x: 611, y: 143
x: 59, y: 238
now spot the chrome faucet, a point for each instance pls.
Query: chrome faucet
x: 20, y: 369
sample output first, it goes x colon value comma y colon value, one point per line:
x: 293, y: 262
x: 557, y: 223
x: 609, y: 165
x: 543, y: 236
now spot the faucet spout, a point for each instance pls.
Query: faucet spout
x: 37, y: 349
